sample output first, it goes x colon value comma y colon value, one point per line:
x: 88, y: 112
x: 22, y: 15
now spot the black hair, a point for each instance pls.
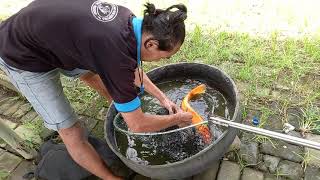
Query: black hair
x: 166, y: 26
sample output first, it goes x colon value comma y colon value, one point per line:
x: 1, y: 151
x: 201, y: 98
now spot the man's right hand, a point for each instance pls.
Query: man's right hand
x: 184, y: 118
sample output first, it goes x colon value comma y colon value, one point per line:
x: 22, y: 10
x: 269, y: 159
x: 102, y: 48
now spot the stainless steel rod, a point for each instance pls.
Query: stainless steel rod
x: 276, y: 135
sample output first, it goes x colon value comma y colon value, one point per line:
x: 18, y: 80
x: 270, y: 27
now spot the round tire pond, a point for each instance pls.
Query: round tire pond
x: 173, y: 153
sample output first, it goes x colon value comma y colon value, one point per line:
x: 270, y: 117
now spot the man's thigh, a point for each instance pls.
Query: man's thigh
x: 44, y: 91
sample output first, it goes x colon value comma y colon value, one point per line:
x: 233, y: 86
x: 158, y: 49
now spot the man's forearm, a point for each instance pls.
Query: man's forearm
x: 151, y: 88
x: 142, y: 122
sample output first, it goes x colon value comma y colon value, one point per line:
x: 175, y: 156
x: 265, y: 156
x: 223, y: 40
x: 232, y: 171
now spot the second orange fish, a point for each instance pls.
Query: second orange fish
x: 196, y: 118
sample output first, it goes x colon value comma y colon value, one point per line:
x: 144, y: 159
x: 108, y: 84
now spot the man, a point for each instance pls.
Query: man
x: 101, y: 43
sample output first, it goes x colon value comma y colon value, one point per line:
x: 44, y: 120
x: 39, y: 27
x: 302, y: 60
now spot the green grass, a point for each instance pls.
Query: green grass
x: 311, y: 120
x: 85, y: 100
x: 4, y: 174
x: 260, y: 64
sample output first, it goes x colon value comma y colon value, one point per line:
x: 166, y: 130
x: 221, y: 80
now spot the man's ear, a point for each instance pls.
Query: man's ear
x: 151, y: 44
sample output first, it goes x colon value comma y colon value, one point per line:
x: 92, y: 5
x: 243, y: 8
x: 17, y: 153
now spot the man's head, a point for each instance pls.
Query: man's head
x: 163, y: 31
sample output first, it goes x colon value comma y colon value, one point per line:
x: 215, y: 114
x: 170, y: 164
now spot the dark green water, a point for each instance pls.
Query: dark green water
x: 176, y: 146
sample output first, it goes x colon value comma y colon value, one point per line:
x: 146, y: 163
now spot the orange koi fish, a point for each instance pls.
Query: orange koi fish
x: 196, y: 118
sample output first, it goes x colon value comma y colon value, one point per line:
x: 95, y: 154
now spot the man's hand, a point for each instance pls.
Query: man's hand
x: 172, y: 107
x: 185, y: 118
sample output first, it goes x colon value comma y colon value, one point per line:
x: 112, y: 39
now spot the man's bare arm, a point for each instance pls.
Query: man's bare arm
x: 138, y: 121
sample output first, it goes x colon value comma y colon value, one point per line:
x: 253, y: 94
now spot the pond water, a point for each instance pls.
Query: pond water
x: 178, y: 144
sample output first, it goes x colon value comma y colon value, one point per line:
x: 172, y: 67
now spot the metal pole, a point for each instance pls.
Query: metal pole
x: 276, y: 135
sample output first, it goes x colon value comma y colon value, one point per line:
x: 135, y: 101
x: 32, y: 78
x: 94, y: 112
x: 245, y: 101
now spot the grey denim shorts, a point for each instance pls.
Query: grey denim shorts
x: 45, y: 93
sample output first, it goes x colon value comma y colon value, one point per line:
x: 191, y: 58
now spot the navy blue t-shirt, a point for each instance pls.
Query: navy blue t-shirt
x: 69, y: 34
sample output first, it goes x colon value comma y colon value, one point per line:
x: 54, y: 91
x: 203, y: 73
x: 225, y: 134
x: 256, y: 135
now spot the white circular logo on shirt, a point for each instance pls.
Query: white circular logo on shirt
x: 104, y: 11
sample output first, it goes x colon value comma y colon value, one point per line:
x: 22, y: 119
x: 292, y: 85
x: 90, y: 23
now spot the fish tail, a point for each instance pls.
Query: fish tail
x: 198, y: 90
x: 205, y: 133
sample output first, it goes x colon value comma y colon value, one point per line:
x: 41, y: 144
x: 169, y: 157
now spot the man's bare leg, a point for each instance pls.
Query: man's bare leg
x: 83, y: 153
x: 95, y: 82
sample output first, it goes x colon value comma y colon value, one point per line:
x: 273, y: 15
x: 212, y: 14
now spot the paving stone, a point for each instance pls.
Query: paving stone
x: 8, y: 148
x: 274, y: 122
x: 24, y: 109
x: 251, y: 174
x: 4, y: 98
x: 275, y: 106
x: 14, y: 108
x: 235, y: 144
x: 29, y: 116
x: 2, y: 95
x: 5, y: 82
x: 312, y: 173
x: 23, y: 168
x: 4, y: 107
x: 46, y: 133
x: 268, y: 176
x: 8, y: 162
x: 249, y: 152
x: 9, y: 123
x: 314, y: 155
x: 262, y: 167
x: 295, y: 134
x: 246, y: 137
x: 294, y: 117
x: 261, y: 164
x: 98, y: 130
x: 229, y: 170
x: 2, y: 143
x: 231, y: 156
x: 2, y: 151
x: 271, y: 162
x: 28, y: 134
x: 102, y: 114
x: 290, y: 170
x: 283, y: 150
x: 209, y: 174
x: 89, y: 122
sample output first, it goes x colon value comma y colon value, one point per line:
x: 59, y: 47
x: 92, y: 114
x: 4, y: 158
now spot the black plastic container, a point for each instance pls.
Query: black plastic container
x: 213, y: 77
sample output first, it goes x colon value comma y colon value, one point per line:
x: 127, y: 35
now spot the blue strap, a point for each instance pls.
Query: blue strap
x: 137, y: 26
x: 135, y: 103
x: 129, y: 106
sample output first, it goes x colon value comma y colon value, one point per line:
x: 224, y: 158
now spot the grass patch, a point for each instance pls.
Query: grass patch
x: 311, y: 120
x: 4, y: 174
x: 84, y: 99
x: 262, y: 64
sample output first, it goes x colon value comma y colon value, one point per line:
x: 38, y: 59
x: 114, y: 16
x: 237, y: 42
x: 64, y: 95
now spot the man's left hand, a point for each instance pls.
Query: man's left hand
x: 168, y: 104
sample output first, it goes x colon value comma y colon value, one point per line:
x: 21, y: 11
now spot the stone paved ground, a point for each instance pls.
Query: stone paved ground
x: 249, y: 158
x: 18, y: 114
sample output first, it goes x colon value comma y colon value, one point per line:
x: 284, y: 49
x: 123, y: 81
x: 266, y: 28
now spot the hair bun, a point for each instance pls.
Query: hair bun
x: 150, y: 9
x: 165, y: 25
x: 180, y: 7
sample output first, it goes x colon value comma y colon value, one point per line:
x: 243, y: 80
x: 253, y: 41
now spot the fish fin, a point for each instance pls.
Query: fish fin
x: 198, y: 90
